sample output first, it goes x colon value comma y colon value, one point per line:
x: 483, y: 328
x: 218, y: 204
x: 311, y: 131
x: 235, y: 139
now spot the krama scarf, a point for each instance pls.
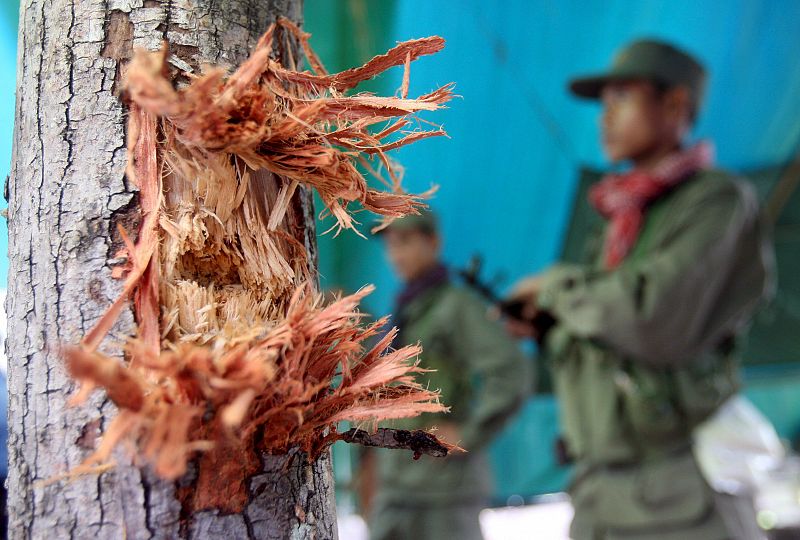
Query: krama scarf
x: 623, y: 198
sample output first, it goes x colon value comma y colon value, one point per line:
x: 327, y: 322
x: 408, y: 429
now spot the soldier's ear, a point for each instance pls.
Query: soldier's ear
x: 678, y: 105
x: 436, y: 241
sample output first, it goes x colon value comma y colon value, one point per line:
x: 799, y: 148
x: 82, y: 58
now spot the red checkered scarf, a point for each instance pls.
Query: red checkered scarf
x: 623, y: 198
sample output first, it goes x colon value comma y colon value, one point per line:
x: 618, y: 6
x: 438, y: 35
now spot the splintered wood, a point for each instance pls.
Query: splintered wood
x: 235, y: 352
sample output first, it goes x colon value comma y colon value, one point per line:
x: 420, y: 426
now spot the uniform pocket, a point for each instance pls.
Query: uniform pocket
x: 705, y: 385
x: 649, y: 405
x: 661, y: 494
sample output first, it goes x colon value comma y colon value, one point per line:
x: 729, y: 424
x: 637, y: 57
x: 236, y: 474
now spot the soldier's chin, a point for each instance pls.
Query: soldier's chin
x: 614, y: 153
x: 403, y: 273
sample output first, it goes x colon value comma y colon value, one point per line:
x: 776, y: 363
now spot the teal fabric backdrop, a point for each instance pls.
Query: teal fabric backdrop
x: 509, y: 172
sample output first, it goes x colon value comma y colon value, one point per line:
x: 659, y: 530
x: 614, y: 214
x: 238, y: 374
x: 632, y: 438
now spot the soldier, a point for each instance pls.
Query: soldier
x: 643, y: 342
x: 482, y: 376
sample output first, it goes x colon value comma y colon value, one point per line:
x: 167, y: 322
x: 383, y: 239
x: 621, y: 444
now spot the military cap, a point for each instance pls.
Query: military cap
x: 651, y: 60
x: 425, y: 221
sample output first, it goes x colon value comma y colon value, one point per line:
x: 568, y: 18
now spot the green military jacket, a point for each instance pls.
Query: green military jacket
x: 641, y: 354
x: 483, y: 378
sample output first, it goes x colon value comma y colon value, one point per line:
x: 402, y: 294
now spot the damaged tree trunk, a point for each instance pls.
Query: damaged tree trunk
x: 67, y: 195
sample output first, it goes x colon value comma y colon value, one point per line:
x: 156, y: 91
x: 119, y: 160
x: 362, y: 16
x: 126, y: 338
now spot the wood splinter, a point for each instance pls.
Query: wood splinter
x: 418, y: 441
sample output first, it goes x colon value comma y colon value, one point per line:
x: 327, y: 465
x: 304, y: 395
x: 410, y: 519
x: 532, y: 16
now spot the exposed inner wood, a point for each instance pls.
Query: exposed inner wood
x: 234, y: 352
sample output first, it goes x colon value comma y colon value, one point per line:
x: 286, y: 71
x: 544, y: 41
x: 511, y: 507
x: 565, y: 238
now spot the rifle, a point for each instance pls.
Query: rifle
x: 512, y: 308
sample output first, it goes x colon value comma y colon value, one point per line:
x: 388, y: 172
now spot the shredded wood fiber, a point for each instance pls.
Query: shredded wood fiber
x: 234, y: 352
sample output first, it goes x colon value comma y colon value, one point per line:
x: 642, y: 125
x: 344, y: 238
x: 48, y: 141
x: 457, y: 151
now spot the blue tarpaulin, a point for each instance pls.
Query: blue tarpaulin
x: 509, y: 171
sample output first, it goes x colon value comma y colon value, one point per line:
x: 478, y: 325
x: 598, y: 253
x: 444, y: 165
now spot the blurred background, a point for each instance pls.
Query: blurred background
x: 521, y: 152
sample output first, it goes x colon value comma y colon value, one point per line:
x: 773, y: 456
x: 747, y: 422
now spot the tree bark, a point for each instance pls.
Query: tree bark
x: 67, y: 193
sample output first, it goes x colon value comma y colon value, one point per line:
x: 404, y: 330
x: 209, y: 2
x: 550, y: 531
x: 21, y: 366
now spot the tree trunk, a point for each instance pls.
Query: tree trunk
x: 67, y: 192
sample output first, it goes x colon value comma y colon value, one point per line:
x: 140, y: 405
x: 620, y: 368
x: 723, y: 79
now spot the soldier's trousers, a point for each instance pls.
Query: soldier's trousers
x: 453, y: 521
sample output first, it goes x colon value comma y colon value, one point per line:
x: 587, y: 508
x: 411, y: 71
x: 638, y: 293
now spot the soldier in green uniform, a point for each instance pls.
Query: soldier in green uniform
x: 643, y: 342
x: 482, y: 376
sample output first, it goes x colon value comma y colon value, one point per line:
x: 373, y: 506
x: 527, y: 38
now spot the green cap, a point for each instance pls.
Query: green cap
x: 424, y: 221
x: 650, y: 60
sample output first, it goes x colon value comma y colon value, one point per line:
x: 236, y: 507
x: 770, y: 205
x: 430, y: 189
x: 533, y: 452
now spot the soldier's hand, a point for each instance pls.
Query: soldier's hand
x: 522, y: 301
x: 526, y: 293
x: 520, y: 329
x: 526, y: 289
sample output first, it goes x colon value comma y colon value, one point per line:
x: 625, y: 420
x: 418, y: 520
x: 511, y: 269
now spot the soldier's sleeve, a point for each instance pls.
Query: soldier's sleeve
x: 500, y: 374
x: 660, y: 309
